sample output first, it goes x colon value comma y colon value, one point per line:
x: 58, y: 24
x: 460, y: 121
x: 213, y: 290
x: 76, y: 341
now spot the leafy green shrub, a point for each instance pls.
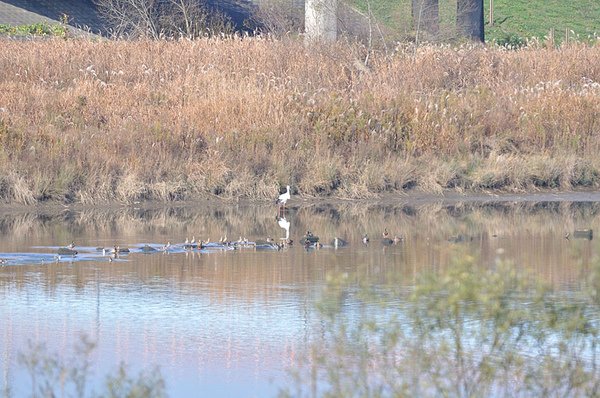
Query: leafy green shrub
x: 511, y: 40
x: 466, y: 331
x: 52, y: 375
x: 36, y: 29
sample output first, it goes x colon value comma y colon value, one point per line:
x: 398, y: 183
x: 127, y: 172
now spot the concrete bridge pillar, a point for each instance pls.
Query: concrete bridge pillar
x: 469, y: 19
x: 320, y: 21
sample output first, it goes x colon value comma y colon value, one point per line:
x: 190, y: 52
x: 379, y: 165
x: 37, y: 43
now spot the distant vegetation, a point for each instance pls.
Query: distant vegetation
x: 37, y: 29
x: 84, y: 121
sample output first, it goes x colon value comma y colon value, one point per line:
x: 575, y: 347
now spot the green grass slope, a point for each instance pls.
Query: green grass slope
x: 535, y: 18
x: 512, y: 18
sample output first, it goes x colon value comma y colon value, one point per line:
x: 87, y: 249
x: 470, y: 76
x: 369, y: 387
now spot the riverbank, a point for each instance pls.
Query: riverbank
x: 97, y: 122
x: 410, y: 199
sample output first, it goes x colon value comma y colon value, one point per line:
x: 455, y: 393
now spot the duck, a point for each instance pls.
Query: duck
x: 66, y: 251
x: 365, y: 239
x: 190, y: 244
x: 119, y: 250
x: 310, y: 238
x: 338, y: 242
x: 147, y: 249
x: 387, y: 241
x: 385, y: 238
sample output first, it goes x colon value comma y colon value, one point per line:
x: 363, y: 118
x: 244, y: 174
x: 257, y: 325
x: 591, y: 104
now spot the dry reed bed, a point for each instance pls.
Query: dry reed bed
x: 94, y: 121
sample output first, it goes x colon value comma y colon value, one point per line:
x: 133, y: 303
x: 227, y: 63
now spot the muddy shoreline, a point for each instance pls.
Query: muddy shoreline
x: 396, y: 199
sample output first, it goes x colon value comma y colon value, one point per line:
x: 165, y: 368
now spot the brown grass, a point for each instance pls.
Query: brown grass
x: 96, y: 121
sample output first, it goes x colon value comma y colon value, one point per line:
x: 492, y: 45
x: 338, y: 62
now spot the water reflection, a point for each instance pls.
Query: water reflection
x: 228, y: 322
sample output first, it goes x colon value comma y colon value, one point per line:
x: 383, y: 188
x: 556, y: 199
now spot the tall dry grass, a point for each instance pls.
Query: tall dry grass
x: 95, y: 121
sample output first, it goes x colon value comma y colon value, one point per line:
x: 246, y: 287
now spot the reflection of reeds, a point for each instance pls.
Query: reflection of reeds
x: 91, y: 122
x: 532, y: 234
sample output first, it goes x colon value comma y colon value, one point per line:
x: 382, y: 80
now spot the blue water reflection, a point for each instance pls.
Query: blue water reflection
x: 225, y: 323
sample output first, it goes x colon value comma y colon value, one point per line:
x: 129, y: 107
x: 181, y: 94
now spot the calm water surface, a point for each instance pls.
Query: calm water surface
x: 232, y: 323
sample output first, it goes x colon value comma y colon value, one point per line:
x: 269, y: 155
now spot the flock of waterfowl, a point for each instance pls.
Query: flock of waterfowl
x: 73, y: 252
x: 309, y: 242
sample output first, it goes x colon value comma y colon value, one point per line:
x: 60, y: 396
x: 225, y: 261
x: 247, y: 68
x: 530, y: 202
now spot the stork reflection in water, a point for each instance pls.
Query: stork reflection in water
x: 285, y: 225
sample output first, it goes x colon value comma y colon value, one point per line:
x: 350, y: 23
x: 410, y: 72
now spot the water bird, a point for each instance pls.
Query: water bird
x: 71, y: 245
x: 283, y: 198
x: 3, y: 261
x: 190, y: 244
x: 166, y: 247
x: 309, y: 239
x: 120, y: 250
x: 338, y: 242
x: 398, y: 239
x: 365, y: 239
x: 386, y: 240
x: 583, y: 234
x: 147, y: 249
x: 242, y: 243
x: 66, y: 251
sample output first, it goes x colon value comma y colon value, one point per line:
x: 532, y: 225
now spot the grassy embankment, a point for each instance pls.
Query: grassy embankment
x: 36, y: 29
x: 85, y: 121
x: 513, y: 19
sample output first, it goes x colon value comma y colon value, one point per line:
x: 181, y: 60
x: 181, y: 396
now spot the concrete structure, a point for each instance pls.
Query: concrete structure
x: 469, y: 19
x: 320, y: 20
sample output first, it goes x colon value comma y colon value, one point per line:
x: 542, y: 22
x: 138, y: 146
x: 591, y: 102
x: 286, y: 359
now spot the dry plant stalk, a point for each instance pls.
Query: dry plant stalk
x: 95, y: 121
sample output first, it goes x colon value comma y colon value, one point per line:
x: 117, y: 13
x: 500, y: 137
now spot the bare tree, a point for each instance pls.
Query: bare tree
x: 135, y: 17
x: 156, y: 18
x: 426, y: 18
x: 279, y: 17
x: 469, y: 19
